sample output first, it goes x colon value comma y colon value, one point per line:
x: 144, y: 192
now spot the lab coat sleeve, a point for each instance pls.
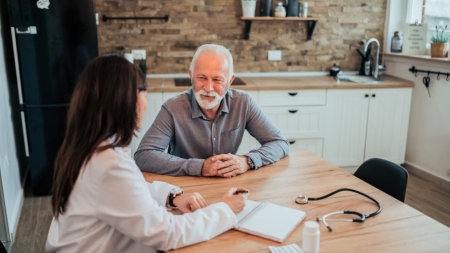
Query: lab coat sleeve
x: 126, y: 204
x: 159, y: 191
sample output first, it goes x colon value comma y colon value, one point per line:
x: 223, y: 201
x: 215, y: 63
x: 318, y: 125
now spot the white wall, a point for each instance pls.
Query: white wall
x: 428, y: 143
x: 10, y: 175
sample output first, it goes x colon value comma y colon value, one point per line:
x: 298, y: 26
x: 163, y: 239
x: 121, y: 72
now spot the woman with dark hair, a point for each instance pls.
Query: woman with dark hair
x: 101, y: 202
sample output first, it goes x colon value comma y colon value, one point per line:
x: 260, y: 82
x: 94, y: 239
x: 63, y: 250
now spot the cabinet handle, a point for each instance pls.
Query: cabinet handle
x: 367, y: 95
x: 292, y: 93
x: 293, y: 111
x: 374, y: 95
x: 291, y: 142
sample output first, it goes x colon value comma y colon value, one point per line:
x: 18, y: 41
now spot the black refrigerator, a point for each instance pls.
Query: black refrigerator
x: 53, y: 40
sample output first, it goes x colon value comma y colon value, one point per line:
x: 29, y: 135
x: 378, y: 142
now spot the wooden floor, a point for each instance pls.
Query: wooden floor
x: 36, y: 214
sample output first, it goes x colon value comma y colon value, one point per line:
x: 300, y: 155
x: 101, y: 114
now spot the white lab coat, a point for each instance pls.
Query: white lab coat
x: 113, y: 209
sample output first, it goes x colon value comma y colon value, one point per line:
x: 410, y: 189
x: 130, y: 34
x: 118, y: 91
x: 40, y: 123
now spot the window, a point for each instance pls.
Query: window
x: 432, y: 12
x: 436, y: 13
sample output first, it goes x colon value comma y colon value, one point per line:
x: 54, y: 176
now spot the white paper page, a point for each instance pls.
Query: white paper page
x: 249, y: 206
x: 273, y: 221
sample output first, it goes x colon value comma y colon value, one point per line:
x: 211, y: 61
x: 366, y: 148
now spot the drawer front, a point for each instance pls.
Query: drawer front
x: 314, y: 145
x: 298, y: 122
x: 292, y: 97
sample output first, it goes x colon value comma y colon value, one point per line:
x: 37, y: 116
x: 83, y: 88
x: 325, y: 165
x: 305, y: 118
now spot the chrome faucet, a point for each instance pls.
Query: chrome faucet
x: 338, y: 76
x: 369, y: 42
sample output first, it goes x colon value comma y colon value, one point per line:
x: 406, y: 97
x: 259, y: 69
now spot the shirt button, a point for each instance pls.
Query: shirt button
x: 214, y: 139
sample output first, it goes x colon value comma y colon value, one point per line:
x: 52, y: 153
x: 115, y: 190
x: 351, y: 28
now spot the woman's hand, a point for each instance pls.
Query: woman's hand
x: 189, y: 202
x: 235, y: 201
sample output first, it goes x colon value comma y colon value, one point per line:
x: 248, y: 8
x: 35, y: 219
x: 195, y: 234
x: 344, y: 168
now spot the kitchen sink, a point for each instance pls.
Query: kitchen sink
x: 360, y: 79
x: 187, y: 81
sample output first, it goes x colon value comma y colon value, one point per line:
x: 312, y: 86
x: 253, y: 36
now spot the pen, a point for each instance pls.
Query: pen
x: 240, y: 191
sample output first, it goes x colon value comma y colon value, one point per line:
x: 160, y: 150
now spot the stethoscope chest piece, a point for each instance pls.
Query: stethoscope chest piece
x: 301, y: 199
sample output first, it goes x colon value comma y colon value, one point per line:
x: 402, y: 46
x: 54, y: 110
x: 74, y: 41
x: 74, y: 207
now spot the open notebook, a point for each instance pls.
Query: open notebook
x: 268, y: 220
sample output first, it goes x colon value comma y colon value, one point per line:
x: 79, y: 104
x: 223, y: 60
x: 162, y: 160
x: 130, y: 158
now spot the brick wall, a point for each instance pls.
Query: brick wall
x: 170, y: 45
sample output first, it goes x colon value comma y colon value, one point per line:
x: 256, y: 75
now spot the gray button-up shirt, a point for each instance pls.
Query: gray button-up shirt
x: 191, y: 137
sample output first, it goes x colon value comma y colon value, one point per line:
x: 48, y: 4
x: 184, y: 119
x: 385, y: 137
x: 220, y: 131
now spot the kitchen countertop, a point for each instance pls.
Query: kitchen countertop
x: 285, y: 83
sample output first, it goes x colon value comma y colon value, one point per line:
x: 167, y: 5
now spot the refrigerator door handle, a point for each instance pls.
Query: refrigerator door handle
x: 16, y: 61
x: 19, y: 89
x: 25, y: 135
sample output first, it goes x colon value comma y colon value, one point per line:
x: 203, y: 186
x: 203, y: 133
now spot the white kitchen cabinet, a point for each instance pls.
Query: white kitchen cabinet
x: 292, y: 97
x: 248, y: 143
x: 298, y: 121
x: 365, y: 123
x: 345, y: 126
x: 299, y: 114
x: 154, y: 102
x: 314, y: 145
x: 387, y: 125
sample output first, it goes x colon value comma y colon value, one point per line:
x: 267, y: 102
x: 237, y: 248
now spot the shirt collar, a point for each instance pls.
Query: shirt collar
x: 112, y: 139
x: 223, y: 108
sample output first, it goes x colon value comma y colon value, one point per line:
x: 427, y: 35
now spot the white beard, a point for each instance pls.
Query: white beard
x: 206, y: 104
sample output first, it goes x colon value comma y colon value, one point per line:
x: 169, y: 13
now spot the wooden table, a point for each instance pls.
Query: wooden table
x: 398, y: 228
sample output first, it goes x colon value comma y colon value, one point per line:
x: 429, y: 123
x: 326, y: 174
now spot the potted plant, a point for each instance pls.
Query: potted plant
x: 439, y: 43
x: 248, y: 8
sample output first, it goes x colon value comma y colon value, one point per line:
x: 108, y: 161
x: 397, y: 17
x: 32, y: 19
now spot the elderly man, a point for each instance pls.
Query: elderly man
x: 203, y: 127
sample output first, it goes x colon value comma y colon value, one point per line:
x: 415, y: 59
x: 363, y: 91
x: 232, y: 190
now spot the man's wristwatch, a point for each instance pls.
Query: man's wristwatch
x: 172, y: 195
x: 250, y: 162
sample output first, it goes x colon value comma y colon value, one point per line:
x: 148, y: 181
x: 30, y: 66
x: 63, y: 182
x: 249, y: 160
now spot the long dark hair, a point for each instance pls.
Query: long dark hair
x: 103, y: 105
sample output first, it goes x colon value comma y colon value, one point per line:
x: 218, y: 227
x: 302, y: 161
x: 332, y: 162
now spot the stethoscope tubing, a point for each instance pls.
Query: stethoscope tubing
x: 342, y: 220
x: 362, y: 217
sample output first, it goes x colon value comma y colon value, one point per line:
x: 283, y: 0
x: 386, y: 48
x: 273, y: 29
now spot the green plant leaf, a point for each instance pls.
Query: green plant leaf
x: 143, y: 65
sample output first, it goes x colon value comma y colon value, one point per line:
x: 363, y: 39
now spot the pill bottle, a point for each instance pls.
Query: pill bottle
x: 311, y: 237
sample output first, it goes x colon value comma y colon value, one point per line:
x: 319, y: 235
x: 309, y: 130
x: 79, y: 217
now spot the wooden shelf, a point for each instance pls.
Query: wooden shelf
x: 311, y: 23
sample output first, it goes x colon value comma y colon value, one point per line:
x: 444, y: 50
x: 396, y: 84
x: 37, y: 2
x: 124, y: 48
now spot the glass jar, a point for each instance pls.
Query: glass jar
x: 396, y: 43
x: 280, y: 11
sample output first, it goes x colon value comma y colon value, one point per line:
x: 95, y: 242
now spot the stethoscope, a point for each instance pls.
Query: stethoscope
x: 303, y: 199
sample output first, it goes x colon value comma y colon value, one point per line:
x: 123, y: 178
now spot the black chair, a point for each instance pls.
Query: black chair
x: 387, y: 176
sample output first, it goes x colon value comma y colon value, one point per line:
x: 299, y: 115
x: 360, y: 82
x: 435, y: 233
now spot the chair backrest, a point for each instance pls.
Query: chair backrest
x: 387, y: 176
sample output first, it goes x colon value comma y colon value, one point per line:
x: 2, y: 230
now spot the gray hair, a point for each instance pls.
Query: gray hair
x: 214, y: 49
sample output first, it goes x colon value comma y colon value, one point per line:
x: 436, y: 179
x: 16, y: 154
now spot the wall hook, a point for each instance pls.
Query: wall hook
x: 438, y: 78
x: 447, y: 79
x: 415, y: 74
